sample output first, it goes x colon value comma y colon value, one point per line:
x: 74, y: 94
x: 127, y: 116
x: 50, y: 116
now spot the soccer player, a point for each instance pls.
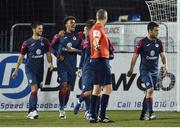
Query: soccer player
x: 85, y: 71
x: 68, y: 48
x: 149, y: 48
x: 35, y: 47
x: 100, y: 66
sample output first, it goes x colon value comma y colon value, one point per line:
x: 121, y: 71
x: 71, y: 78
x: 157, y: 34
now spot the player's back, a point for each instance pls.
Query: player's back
x: 98, y: 31
x: 85, y: 52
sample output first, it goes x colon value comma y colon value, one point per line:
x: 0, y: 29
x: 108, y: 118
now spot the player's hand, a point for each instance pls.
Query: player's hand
x: 97, y: 47
x: 14, y: 74
x: 129, y: 73
x: 51, y: 66
x: 79, y: 72
x: 164, y: 70
x: 70, y: 49
x: 61, y: 33
x: 60, y: 57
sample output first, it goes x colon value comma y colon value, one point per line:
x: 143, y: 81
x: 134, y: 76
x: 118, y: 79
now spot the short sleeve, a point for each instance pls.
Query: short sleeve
x: 162, y: 49
x: 138, y: 47
x: 47, y: 45
x: 24, y: 48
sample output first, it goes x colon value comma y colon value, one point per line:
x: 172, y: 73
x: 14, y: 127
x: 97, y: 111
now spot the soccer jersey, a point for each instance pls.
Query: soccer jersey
x: 35, y: 50
x: 67, y: 67
x: 87, y: 74
x: 70, y: 40
x: 98, y: 31
x: 149, y: 51
x: 85, y: 57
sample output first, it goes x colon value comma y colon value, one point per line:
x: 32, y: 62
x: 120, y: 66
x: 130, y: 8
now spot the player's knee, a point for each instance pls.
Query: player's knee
x: 34, y: 88
x: 65, y: 87
x: 62, y: 87
x: 149, y: 91
x: 107, y: 89
x: 96, y: 90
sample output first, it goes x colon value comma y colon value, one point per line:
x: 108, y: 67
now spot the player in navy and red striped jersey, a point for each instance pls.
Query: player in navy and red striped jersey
x: 68, y: 48
x: 85, y: 71
x: 149, y: 48
x: 35, y: 48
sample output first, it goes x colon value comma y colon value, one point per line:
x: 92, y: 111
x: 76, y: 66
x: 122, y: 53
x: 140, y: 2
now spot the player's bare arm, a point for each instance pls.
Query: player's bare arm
x: 49, y: 59
x: 164, y: 61
x: 71, y: 49
x: 133, y: 62
x: 20, y: 59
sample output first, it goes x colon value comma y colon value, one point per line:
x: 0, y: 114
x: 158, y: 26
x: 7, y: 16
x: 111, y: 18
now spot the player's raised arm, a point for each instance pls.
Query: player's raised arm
x: 55, y: 42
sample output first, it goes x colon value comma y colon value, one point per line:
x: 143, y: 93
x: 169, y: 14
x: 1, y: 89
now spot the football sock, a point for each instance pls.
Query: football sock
x: 93, y: 106
x: 149, y: 104
x: 104, y: 103
x: 32, y: 101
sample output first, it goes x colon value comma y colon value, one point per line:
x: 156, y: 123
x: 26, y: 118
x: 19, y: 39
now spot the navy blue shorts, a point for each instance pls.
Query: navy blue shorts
x: 65, y: 75
x: 149, y: 79
x: 102, y: 72
x: 87, y: 80
x: 34, y: 78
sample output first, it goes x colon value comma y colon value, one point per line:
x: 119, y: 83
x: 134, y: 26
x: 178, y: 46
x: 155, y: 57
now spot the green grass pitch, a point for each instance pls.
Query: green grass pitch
x: 121, y: 118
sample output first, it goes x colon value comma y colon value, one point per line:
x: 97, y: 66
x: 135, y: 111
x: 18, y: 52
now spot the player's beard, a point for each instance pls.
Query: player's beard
x: 39, y: 33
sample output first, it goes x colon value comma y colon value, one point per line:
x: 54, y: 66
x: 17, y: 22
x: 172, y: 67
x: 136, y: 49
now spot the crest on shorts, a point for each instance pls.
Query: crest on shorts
x: 147, y: 83
x: 30, y: 81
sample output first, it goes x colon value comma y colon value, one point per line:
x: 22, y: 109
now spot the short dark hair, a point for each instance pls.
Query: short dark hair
x: 151, y: 25
x: 35, y: 24
x: 101, y: 14
x: 69, y: 18
x: 90, y: 23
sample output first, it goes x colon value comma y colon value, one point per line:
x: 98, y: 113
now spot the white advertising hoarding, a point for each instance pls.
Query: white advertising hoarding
x: 127, y: 92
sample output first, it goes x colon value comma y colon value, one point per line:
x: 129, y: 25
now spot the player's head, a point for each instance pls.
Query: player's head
x: 89, y: 25
x: 37, y: 28
x: 153, y: 29
x: 70, y: 23
x: 102, y: 15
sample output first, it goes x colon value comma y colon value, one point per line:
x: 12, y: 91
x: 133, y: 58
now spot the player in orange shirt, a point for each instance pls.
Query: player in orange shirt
x: 100, y: 66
